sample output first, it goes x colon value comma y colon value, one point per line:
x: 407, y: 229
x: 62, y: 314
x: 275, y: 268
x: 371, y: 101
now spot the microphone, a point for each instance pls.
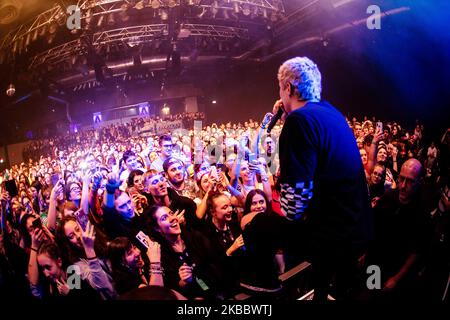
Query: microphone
x: 274, y: 119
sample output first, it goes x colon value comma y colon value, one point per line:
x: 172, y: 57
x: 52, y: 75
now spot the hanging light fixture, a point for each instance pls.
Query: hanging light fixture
x: 155, y: 4
x: 226, y: 16
x: 246, y: 10
x: 100, y: 21
x: 43, y: 31
x: 274, y: 17
x: 35, y: 35
x: 111, y: 21
x: 255, y: 13
x: 236, y: 7
x: 27, y: 40
x: 10, y: 90
x: 164, y: 15
x: 166, y: 109
x: 215, y: 8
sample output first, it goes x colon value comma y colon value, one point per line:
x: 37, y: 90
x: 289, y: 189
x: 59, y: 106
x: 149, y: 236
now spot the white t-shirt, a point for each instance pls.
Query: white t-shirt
x: 157, y: 164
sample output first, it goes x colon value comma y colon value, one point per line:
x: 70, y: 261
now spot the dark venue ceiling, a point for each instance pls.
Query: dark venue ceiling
x: 227, y: 49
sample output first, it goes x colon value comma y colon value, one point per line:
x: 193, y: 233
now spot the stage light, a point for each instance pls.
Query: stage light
x: 164, y: 15
x: 215, y: 8
x: 43, y: 31
x: 10, y: 11
x: 50, y: 39
x: 255, y: 13
x: 35, y: 35
x: 20, y: 45
x: 274, y: 17
x: 246, y: 10
x: 89, y: 15
x: 155, y: 4
x: 10, y: 90
x: 214, y: 102
x: 166, y: 109
x: 236, y: 7
x: 172, y: 3
x: 53, y: 28
x: 226, y: 16
x: 111, y: 21
x: 100, y: 21
x: 123, y: 13
x: 184, y: 33
x: 27, y: 40
x: 60, y: 18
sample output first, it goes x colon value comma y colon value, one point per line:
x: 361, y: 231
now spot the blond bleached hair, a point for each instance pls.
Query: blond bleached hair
x: 304, y: 75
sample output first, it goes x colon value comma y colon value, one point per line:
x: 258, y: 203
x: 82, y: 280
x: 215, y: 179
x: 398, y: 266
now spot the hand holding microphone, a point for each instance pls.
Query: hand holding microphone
x: 278, y: 111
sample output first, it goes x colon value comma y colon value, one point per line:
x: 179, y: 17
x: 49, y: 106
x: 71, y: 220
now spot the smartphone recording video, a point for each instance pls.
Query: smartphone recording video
x: 55, y: 178
x: 11, y: 187
x: 142, y: 237
x: 82, y: 218
x: 37, y: 223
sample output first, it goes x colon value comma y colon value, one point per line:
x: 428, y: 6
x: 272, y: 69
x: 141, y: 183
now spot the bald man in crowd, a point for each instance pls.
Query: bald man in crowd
x: 401, y: 233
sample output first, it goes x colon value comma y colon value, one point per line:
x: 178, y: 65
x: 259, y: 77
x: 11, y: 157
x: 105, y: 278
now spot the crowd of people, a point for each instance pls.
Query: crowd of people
x: 197, y: 211
x: 106, y: 133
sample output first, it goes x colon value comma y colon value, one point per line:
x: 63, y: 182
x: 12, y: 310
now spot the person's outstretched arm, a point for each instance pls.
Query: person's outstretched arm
x: 372, y: 156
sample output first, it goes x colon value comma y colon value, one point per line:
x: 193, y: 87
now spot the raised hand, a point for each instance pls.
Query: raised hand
x: 63, y: 288
x: 56, y: 191
x: 374, y: 201
x: 180, y: 216
x: 378, y: 136
x: 37, y: 237
x: 140, y: 201
x: 153, y: 251
x: 223, y: 179
x: 260, y: 169
x: 4, y: 196
x: 88, y: 237
x: 113, y: 178
x: 97, y: 179
x: 277, y: 105
x: 394, y: 152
